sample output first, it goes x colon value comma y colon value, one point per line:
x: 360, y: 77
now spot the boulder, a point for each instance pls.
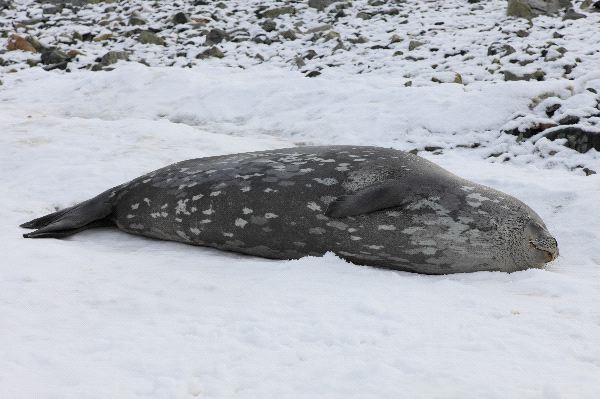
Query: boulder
x: 532, y: 8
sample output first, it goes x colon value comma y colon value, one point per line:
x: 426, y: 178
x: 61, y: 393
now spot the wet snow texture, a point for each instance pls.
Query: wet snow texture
x: 109, y: 315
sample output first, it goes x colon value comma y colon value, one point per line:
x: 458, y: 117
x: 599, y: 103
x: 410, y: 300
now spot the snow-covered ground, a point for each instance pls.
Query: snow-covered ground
x: 104, y: 314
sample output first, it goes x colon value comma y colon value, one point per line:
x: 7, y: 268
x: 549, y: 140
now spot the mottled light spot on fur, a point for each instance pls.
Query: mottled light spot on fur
x: 317, y: 230
x: 205, y: 221
x: 327, y: 181
x: 209, y: 211
x: 270, y: 216
x: 374, y: 246
x: 130, y: 216
x: 386, y: 227
x: 338, y: 225
x: 136, y: 226
x: 245, y: 189
x: 147, y: 201
x: 195, y: 230
x: 352, y: 230
x: 228, y: 234
x: 313, y: 206
x: 327, y: 199
x: 135, y: 206
x: 355, y: 238
x: 393, y: 214
x: 197, y: 197
x: 215, y: 193
x: 247, y: 211
x: 182, y: 207
x: 239, y: 222
x: 299, y: 243
x: 412, y: 229
x: 164, y: 206
x: 179, y: 220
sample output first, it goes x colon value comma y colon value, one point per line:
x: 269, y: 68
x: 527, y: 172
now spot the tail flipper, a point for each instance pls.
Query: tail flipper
x: 91, y: 213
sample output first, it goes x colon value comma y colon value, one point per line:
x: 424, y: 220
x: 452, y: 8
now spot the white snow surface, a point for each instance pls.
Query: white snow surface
x: 104, y: 314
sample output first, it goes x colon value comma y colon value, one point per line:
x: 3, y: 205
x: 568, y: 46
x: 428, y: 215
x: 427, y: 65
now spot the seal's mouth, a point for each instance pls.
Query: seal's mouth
x: 549, y: 252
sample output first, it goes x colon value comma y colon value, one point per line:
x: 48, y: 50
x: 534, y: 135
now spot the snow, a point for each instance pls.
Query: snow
x: 107, y: 314
x: 104, y: 314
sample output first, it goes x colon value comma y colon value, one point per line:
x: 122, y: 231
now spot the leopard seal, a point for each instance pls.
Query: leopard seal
x: 370, y: 205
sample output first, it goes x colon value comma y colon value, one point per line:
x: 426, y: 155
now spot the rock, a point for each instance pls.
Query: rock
x: 275, y: 12
x: 313, y: 74
x: 499, y: 49
x: 5, y: 4
x: 269, y: 25
x: 136, y: 19
x: 588, y: 171
x: 578, y: 138
x: 16, y: 42
x: 529, y: 129
x: 551, y: 110
x: 147, y: 37
x: 54, y: 56
x: 532, y: 8
x: 216, y: 36
x: 211, y: 52
x: 569, y: 120
x: 573, y: 15
x: 288, y: 34
x: 364, y: 15
x: 413, y: 44
x: 310, y: 54
x: 36, y: 44
x: 537, y: 75
x: 181, y: 18
x: 112, y: 57
x: 591, y: 5
x: 320, y: 5
x: 320, y: 28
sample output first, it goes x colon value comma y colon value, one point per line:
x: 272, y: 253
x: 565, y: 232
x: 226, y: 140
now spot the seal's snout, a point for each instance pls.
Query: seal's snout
x: 542, y: 242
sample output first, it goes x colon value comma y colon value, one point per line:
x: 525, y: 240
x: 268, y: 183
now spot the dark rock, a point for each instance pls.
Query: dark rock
x: 551, y: 110
x: 147, y: 37
x: 135, y: 19
x: 569, y: 120
x: 313, y: 74
x: 269, y: 25
x: 112, y: 57
x: 54, y: 56
x: 216, y: 36
x: 538, y: 75
x: 310, y: 54
x: 578, y: 138
x: 181, y: 18
x: 364, y: 15
x: 214, y: 52
x: 525, y: 132
x: 588, y: 171
x: 36, y: 44
x: 275, y: 12
x: 413, y: 44
x: 321, y: 4
x: 500, y: 49
x: 288, y: 34
x: 532, y: 8
x: 573, y: 15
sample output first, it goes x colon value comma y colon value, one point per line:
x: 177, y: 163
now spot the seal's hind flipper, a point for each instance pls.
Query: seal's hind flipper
x: 88, y: 214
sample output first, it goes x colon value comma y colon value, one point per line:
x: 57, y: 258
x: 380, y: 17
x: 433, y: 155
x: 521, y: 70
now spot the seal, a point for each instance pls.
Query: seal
x: 369, y: 205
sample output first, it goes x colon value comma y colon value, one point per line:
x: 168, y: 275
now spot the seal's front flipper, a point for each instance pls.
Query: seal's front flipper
x: 90, y: 213
x: 380, y: 196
